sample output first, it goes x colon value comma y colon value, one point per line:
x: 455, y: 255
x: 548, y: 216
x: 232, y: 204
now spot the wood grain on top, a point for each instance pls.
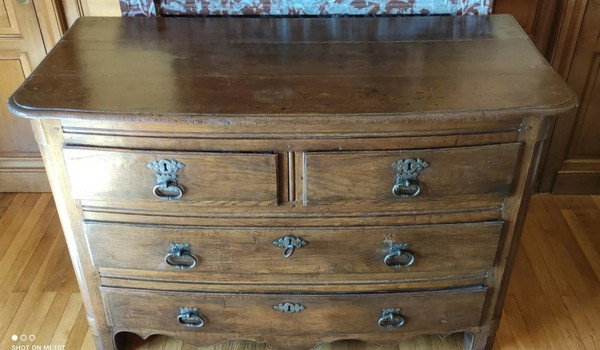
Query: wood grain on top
x: 170, y: 67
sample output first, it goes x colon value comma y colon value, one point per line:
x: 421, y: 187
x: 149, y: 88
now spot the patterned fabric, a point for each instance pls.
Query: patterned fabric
x: 304, y: 7
x: 138, y: 8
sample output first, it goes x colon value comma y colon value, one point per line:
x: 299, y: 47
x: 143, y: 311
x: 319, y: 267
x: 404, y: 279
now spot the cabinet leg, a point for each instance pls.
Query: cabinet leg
x: 105, y: 342
x: 479, y: 340
x: 103, y: 338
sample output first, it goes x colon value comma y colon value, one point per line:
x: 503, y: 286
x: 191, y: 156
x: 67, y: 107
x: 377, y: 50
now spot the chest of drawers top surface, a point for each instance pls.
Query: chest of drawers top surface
x: 161, y: 68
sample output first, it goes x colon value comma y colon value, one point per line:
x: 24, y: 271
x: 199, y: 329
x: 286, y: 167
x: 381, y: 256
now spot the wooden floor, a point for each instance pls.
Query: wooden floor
x: 553, y: 300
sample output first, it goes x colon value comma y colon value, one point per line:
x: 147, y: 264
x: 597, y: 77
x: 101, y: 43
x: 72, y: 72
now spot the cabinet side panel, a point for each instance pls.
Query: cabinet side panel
x: 49, y: 137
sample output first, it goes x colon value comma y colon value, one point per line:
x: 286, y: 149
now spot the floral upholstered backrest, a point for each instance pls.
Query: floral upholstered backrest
x: 303, y: 7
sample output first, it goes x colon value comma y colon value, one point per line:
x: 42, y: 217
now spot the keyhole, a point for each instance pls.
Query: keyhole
x: 409, y: 166
x: 165, y: 167
x: 289, y: 307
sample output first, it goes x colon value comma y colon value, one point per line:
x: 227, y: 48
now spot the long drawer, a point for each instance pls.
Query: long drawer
x: 293, y: 314
x: 288, y: 255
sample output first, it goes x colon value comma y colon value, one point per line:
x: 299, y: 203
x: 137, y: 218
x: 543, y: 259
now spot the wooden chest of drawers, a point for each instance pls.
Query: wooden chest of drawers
x: 293, y: 181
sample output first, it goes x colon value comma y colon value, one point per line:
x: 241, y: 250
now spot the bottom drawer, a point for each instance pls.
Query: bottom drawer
x: 248, y: 316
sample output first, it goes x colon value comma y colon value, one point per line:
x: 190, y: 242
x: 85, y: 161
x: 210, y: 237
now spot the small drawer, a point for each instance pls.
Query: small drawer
x: 217, y: 179
x: 432, y: 179
x: 292, y: 314
x: 293, y: 255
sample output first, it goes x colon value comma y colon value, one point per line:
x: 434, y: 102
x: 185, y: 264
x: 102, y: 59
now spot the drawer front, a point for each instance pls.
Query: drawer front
x: 441, y: 179
x: 281, y: 314
x: 148, y: 176
x: 288, y: 254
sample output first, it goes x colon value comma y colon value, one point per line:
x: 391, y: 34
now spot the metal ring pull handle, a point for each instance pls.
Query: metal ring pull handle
x: 407, y: 177
x: 391, y: 318
x: 288, y: 251
x: 289, y: 244
x: 399, y: 256
x: 190, y: 317
x: 180, y: 256
x: 166, y: 171
x: 168, y: 191
x: 405, y: 188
